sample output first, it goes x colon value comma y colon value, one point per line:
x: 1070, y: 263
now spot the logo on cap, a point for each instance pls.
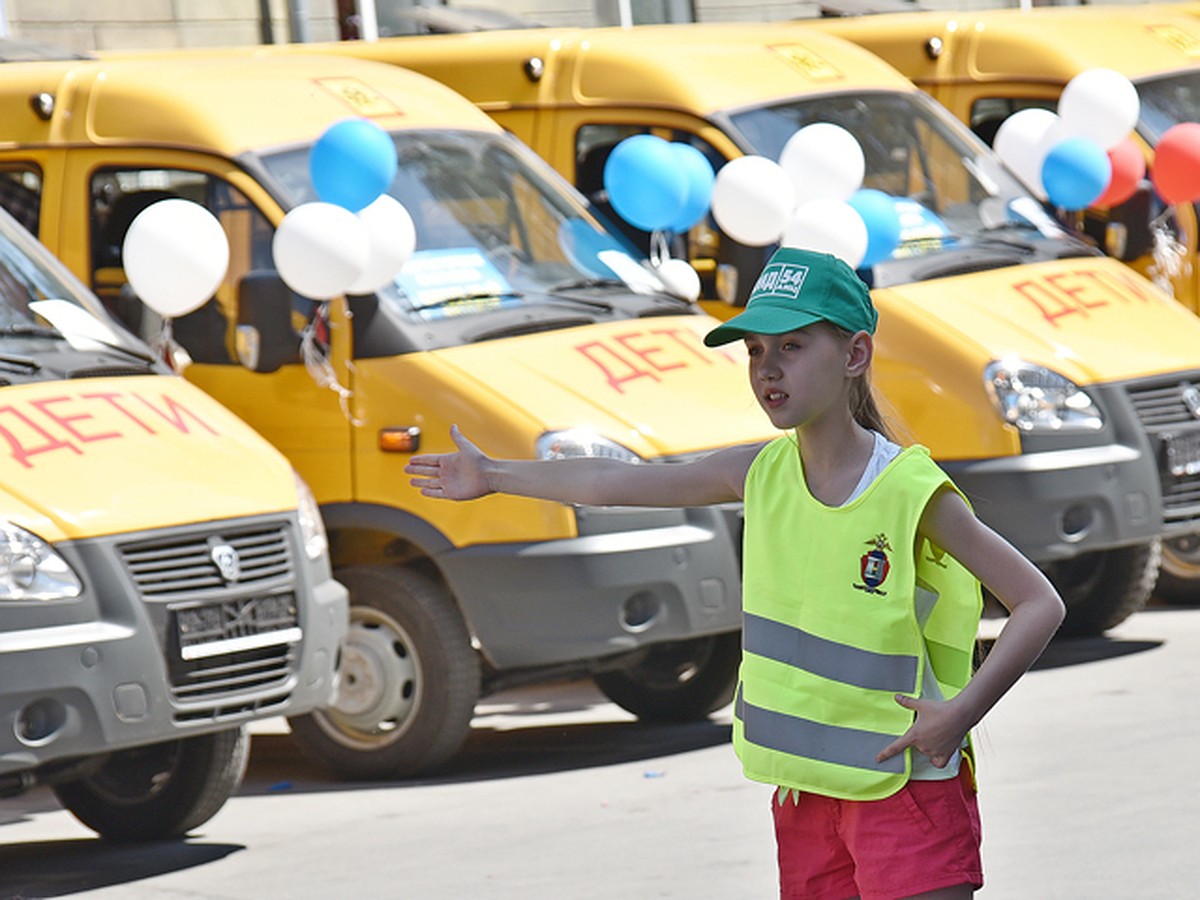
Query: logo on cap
x: 781, y: 279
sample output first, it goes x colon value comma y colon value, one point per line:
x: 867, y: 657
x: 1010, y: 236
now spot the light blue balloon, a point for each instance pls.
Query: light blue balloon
x: 1075, y: 173
x: 645, y: 183
x: 699, y: 175
x: 352, y: 163
x: 878, y: 211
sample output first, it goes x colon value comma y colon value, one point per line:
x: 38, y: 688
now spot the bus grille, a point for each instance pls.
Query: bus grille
x: 1170, y: 413
x: 225, y: 602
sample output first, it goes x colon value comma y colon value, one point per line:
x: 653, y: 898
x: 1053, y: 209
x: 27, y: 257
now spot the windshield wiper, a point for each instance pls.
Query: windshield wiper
x: 45, y: 331
x: 21, y: 363
x: 467, y: 298
x: 17, y: 362
x: 988, y: 237
x: 127, y: 351
x: 996, y: 240
x: 578, y: 284
x: 616, y: 283
x: 31, y: 330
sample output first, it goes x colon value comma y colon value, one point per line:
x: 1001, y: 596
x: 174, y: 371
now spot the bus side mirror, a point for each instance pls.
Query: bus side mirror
x: 265, y: 337
x: 1124, y: 231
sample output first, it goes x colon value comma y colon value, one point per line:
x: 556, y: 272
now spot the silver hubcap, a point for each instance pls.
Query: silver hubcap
x: 377, y: 688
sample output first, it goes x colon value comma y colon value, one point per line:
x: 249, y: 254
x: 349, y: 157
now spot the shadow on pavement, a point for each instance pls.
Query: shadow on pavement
x: 535, y: 731
x: 276, y: 765
x: 490, y: 753
x: 1064, y: 652
x: 1073, y: 651
x: 62, y: 868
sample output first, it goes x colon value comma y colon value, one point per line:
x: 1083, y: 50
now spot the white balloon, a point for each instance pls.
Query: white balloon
x: 175, y: 255
x: 830, y: 226
x: 752, y: 199
x: 320, y: 249
x: 823, y: 160
x: 1099, y: 104
x: 680, y: 278
x: 1024, y: 139
x: 391, y: 239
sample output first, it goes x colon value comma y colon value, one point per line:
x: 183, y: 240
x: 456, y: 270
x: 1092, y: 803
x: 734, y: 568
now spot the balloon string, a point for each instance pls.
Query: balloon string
x: 1169, y: 256
x: 316, y: 361
x: 659, y: 249
x: 168, y: 349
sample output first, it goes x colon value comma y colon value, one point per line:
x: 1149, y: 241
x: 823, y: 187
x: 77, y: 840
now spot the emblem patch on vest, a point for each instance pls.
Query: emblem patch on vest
x: 874, y: 565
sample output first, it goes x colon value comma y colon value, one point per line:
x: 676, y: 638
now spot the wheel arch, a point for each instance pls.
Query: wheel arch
x: 372, y: 534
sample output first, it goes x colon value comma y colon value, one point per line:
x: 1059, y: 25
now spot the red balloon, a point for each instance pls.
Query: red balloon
x: 1176, y: 169
x: 1128, y: 168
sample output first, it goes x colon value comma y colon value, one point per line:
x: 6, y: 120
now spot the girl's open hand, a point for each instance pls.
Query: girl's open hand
x: 451, y: 476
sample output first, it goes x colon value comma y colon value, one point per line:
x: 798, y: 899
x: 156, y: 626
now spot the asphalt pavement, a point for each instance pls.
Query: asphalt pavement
x: 1088, y: 790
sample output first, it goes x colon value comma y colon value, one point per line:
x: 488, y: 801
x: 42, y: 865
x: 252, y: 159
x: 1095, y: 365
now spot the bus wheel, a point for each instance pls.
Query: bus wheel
x: 408, y: 681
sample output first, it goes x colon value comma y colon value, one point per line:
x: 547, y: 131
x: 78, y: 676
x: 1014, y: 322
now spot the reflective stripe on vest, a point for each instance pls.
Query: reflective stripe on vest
x: 815, y: 740
x: 837, y: 662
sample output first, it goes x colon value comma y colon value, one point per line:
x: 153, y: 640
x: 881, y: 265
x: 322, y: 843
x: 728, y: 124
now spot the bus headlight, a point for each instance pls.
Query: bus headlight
x: 30, y: 569
x: 1037, y: 399
x: 578, y: 442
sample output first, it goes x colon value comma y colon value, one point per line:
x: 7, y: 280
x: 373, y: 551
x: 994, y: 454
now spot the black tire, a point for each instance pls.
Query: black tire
x: 408, y: 682
x: 1179, y: 577
x: 161, y: 791
x: 1104, y: 588
x: 677, y: 681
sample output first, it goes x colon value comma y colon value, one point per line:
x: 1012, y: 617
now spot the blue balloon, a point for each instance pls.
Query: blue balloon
x: 699, y: 175
x: 645, y: 183
x: 1075, y: 173
x: 878, y: 211
x: 352, y: 163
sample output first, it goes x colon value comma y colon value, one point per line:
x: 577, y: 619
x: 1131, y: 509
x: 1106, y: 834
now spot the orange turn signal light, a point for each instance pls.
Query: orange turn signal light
x: 400, y: 439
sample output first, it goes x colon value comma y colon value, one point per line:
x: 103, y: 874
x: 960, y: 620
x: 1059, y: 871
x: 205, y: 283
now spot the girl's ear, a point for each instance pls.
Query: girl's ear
x: 860, y: 351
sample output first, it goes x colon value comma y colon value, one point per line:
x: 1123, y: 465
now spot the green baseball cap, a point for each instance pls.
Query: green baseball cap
x: 796, y: 288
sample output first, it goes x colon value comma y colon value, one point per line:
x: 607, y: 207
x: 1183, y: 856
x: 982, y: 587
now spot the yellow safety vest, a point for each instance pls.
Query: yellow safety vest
x: 832, y: 631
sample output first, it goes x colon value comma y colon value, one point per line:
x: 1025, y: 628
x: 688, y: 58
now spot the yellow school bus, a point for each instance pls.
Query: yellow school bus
x: 164, y: 577
x: 998, y: 326
x: 517, y: 317
x: 986, y: 65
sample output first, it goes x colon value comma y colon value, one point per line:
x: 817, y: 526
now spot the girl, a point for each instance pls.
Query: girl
x: 861, y: 597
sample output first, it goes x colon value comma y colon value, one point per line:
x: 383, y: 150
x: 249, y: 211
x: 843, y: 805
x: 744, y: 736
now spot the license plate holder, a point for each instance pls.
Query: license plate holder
x: 234, y: 625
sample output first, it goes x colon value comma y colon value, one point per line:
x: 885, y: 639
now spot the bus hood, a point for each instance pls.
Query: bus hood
x: 649, y: 384
x: 1090, y: 319
x: 103, y: 456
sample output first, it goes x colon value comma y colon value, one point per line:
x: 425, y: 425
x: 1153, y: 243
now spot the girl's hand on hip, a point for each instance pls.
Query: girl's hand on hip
x: 937, y: 731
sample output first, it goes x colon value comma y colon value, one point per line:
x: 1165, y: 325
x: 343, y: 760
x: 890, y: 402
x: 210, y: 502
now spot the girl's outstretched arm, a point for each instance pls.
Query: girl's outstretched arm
x: 1035, y: 612
x: 469, y: 473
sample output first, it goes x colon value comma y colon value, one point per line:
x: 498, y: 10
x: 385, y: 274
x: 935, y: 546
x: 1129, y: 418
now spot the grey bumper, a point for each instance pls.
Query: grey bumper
x: 631, y: 578
x: 1058, y: 504
x: 105, y: 672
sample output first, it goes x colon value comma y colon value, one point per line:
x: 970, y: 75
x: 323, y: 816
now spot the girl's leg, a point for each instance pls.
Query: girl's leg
x: 814, y: 864
x: 958, y: 892
x: 922, y: 841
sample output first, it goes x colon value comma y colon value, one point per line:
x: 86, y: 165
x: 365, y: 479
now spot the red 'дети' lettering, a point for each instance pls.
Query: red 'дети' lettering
x: 61, y: 422
x: 1081, y: 292
x: 632, y: 355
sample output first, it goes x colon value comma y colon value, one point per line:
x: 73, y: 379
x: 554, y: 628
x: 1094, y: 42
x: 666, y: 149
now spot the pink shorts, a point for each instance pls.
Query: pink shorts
x: 922, y: 838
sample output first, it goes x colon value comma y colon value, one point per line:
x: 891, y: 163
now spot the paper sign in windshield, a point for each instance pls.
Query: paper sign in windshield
x: 920, y: 229
x: 432, y: 277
